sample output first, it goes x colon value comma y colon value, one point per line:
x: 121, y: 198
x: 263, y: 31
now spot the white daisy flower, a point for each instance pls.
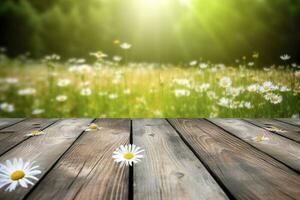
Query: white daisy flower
x: 7, y: 107
x: 128, y: 154
x: 260, y: 138
x: 203, y: 65
x: 193, y: 63
x: 63, y: 82
x: 285, y: 57
x: 26, y: 91
x: 86, y: 92
x: 182, y: 92
x: 92, y: 127
x: 125, y: 46
x: 16, y: 172
x: 225, y: 82
x: 117, y: 58
x: 11, y: 80
x: 35, y: 133
x: 38, y: 111
x: 61, y: 98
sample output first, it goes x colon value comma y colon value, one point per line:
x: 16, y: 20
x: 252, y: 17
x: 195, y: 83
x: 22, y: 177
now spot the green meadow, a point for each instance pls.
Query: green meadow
x: 111, y: 88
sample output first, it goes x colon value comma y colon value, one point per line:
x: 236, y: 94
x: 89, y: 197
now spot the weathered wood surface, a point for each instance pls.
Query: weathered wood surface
x: 184, y: 159
x: 245, y: 171
x: 291, y: 132
x: 87, y: 171
x: 291, y: 121
x: 274, y: 147
x: 45, y: 149
x: 170, y: 170
x: 5, y: 122
x: 15, y: 134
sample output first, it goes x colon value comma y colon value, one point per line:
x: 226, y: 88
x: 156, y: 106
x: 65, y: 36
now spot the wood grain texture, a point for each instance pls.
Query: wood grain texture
x: 245, y: 171
x: 291, y: 121
x: 281, y: 148
x: 13, y: 135
x: 45, y: 150
x: 5, y: 122
x: 292, y: 132
x: 87, y: 170
x: 169, y: 170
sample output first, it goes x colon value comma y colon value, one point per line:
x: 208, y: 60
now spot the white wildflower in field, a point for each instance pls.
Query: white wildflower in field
x: 225, y: 82
x: 251, y: 64
x: 253, y: 88
x: 125, y: 46
x: 126, y: 91
x: 11, y: 80
x: 203, y: 65
x: 128, y: 154
x: 117, y: 58
x: 182, y: 92
x: 267, y: 86
x: 61, y: 98
x: 193, y: 62
x: 81, y: 69
x: 53, y: 57
x: 183, y: 82
x: 7, y: 107
x: 202, y: 88
x: 285, y: 57
x: 224, y: 102
x: 234, y: 91
x: 99, y: 55
x: 212, y: 95
x: 113, y: 96
x: 85, y: 92
x: 63, y: 82
x: 284, y: 89
x: 17, y: 172
x: 38, y: 111
x: 246, y: 104
x: 276, y: 99
x: 295, y: 116
x: 26, y: 92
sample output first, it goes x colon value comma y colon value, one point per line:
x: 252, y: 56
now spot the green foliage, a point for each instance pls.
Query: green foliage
x: 216, y: 30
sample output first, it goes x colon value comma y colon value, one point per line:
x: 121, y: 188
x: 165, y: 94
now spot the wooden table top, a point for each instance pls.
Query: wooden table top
x: 183, y: 158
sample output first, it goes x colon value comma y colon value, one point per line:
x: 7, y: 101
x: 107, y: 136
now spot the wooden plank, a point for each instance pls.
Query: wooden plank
x: 292, y: 121
x: 5, y: 122
x: 245, y: 171
x: 281, y: 148
x: 169, y: 170
x: 13, y: 135
x: 45, y: 150
x: 87, y: 170
x: 292, y: 132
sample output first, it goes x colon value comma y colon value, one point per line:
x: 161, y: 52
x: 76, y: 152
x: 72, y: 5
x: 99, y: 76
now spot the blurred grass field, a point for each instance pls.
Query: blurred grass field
x: 53, y: 88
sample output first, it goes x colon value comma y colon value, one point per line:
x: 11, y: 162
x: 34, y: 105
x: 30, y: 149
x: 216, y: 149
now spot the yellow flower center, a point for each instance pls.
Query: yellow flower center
x: 128, y: 156
x: 35, y: 132
x: 16, y: 175
x: 260, y: 138
x: 93, y: 126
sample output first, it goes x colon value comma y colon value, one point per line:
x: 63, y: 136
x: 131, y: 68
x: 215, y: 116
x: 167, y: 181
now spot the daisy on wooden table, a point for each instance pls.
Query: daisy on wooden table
x: 275, y: 129
x: 16, y: 172
x: 128, y: 154
x: 35, y: 133
x: 92, y: 127
x: 260, y: 138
